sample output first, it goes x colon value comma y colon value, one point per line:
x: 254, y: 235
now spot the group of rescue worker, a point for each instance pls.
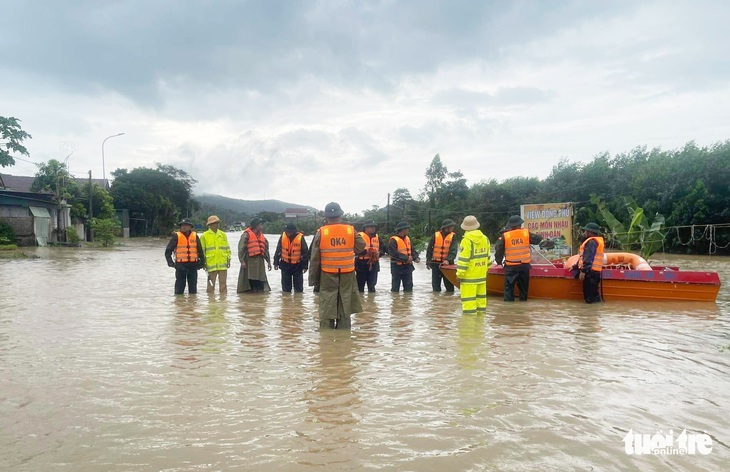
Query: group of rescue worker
x: 342, y: 262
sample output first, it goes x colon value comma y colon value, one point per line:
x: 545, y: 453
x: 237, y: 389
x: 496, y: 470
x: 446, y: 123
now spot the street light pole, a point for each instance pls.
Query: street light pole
x: 103, y: 164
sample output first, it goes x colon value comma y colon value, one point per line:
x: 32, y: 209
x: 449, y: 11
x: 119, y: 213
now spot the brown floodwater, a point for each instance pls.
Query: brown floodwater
x: 102, y: 368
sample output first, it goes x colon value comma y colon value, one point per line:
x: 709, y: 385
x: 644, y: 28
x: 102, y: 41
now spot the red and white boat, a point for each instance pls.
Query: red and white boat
x: 625, y: 276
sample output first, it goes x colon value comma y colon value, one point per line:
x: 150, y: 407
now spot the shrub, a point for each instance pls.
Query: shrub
x: 7, y: 231
x: 72, y: 236
x: 105, y: 229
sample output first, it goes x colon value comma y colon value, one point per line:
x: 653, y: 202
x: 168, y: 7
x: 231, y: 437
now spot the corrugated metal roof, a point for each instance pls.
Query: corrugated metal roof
x: 39, y: 212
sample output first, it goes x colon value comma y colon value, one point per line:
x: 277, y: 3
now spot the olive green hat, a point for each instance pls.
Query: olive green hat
x: 447, y: 222
x: 593, y: 228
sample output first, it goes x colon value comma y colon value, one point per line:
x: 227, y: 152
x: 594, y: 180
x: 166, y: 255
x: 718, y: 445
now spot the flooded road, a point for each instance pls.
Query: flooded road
x: 103, y: 369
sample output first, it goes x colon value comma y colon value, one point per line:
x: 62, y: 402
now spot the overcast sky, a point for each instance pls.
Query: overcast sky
x: 314, y: 101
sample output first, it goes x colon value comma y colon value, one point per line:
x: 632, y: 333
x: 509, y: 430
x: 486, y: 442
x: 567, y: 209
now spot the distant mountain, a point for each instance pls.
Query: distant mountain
x: 246, y: 207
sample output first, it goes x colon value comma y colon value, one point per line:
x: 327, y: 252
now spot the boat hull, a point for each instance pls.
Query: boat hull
x: 558, y: 283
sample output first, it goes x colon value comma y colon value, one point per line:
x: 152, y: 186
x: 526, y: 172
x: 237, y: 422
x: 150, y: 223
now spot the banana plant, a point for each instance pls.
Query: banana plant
x: 648, y: 236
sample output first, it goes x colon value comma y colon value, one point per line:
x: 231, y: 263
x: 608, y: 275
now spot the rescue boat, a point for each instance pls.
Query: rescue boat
x: 625, y: 276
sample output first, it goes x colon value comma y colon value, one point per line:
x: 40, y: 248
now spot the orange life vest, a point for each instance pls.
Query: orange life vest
x: 337, y: 248
x: 372, y: 245
x: 517, y: 247
x: 404, y: 247
x: 291, y: 251
x: 187, y: 247
x: 598, y: 260
x: 441, y: 246
x: 256, y: 244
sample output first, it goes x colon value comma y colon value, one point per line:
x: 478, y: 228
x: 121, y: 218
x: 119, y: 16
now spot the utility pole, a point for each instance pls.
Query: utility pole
x: 91, y: 211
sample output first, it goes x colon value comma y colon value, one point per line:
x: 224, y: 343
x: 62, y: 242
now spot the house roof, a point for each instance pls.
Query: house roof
x: 19, y: 183
x: 10, y: 197
x: 22, y: 183
x: 302, y: 211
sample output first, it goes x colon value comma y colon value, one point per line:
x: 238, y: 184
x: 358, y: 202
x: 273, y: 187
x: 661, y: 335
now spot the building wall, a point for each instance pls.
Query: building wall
x: 23, y: 228
x: 20, y: 219
x: 12, y: 211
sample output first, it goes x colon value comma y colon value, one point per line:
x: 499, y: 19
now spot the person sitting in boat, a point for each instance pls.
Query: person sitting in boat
x: 590, y: 262
x: 513, y: 251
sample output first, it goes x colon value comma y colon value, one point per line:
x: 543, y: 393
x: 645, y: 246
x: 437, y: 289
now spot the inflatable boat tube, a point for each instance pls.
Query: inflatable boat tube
x: 620, y: 259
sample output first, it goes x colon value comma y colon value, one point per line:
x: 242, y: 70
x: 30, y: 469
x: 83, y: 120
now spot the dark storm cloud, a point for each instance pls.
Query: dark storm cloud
x: 138, y: 47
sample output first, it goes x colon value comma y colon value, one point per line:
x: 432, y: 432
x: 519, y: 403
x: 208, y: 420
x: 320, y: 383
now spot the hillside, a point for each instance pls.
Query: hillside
x: 246, y: 207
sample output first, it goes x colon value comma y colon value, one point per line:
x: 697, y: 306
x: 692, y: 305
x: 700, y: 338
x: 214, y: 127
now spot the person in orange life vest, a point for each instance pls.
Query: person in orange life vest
x: 402, y: 255
x: 332, y: 269
x: 590, y: 262
x: 513, y: 251
x: 292, y: 257
x: 367, y: 264
x: 189, y: 257
x: 253, y: 252
x: 443, y: 247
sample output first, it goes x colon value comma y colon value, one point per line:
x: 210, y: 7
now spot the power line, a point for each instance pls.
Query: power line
x: 24, y: 160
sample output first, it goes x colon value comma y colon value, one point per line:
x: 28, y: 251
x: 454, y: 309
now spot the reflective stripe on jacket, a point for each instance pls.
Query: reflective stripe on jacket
x: 370, y: 244
x: 404, y: 247
x: 441, y: 246
x: 291, y: 251
x: 598, y: 259
x: 337, y: 248
x: 472, y: 262
x: 256, y: 244
x: 187, y: 247
x: 517, y: 247
x: 216, y: 249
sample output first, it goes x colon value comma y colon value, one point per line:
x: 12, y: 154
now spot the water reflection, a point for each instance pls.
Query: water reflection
x: 199, y: 329
x: 472, y: 348
x: 402, y: 316
x: 331, y: 435
x: 117, y: 374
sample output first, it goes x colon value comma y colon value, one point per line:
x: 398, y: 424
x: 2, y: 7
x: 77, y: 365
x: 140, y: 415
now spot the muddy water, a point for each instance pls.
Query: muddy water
x: 103, y: 369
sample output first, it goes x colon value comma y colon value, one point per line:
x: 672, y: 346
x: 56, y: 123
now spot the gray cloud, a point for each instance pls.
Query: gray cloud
x: 258, y: 98
x: 134, y: 47
x: 503, y: 97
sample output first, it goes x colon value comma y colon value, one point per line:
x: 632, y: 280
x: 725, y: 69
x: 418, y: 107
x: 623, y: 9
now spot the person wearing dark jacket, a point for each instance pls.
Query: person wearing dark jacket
x: 513, y: 251
x: 367, y: 263
x: 443, y: 247
x: 402, y: 255
x: 590, y: 262
x: 292, y: 257
x: 189, y: 257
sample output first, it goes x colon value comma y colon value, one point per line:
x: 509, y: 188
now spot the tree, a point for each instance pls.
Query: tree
x: 105, y: 230
x: 53, y: 176
x: 11, y: 137
x: 639, y: 232
x: 159, y: 196
x: 401, y: 196
x: 435, y: 175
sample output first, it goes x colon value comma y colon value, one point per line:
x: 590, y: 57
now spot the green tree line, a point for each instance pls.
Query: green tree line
x: 688, y: 186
